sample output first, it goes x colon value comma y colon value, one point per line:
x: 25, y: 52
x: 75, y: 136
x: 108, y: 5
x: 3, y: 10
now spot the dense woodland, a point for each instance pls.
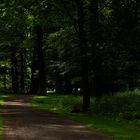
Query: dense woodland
x: 86, y: 47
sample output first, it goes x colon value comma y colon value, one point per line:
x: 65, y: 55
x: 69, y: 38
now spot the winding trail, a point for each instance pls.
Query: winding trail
x: 22, y: 122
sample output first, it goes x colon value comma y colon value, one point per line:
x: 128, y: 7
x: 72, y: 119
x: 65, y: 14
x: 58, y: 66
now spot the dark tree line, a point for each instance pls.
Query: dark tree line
x: 86, y: 45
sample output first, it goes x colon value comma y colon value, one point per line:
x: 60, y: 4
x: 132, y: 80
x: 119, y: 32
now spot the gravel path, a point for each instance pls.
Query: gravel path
x: 22, y: 122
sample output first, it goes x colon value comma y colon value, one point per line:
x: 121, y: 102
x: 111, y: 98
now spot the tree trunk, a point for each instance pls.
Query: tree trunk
x: 94, y: 40
x: 14, y: 73
x: 84, y: 60
x: 21, y: 73
x: 67, y: 85
x: 38, y: 79
x: 42, y: 71
x: 34, y: 73
x: 58, y: 85
x: 4, y: 80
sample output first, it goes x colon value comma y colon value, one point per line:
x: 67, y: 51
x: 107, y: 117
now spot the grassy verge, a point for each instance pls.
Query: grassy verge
x: 2, y: 98
x: 121, y: 130
x: 118, y: 128
x: 1, y: 126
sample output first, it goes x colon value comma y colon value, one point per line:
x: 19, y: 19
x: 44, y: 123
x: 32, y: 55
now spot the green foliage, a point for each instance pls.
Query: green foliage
x: 125, y: 106
x: 62, y: 51
x: 57, y: 102
x: 112, y: 46
x: 2, y: 97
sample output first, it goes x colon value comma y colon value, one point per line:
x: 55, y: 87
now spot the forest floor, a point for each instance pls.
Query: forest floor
x: 23, y: 122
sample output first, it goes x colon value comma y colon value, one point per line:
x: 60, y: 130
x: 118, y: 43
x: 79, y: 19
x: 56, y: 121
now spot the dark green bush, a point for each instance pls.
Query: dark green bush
x: 126, y: 107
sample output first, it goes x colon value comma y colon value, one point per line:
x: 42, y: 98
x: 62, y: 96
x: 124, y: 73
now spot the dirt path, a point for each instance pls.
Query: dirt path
x: 22, y: 122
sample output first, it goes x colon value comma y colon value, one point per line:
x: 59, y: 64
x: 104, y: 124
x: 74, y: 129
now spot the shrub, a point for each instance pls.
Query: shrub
x: 122, y: 106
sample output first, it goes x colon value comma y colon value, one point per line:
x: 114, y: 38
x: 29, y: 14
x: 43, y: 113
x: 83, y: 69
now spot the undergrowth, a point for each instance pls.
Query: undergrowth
x: 119, y: 107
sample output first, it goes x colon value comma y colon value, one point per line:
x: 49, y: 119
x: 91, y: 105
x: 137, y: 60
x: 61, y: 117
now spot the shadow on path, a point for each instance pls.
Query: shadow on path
x: 22, y: 122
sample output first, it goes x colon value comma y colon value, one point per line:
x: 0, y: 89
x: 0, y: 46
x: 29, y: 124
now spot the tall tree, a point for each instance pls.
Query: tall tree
x: 38, y: 66
x: 83, y: 50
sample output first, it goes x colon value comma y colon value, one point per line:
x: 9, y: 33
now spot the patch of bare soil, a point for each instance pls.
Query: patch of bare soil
x: 22, y: 122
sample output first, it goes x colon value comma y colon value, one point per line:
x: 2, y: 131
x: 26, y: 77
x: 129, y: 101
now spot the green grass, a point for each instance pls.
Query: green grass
x: 2, y: 98
x: 119, y: 130
x: 57, y: 103
x: 116, y: 127
x: 1, y: 126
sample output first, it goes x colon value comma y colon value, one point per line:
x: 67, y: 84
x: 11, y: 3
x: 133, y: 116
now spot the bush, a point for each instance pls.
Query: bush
x: 122, y: 106
x: 59, y: 102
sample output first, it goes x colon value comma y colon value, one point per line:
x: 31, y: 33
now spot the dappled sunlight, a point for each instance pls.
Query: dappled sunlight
x: 24, y: 122
x: 17, y: 103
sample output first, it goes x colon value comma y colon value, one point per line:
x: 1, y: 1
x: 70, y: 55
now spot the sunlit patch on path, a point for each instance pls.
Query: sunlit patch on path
x: 22, y: 122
